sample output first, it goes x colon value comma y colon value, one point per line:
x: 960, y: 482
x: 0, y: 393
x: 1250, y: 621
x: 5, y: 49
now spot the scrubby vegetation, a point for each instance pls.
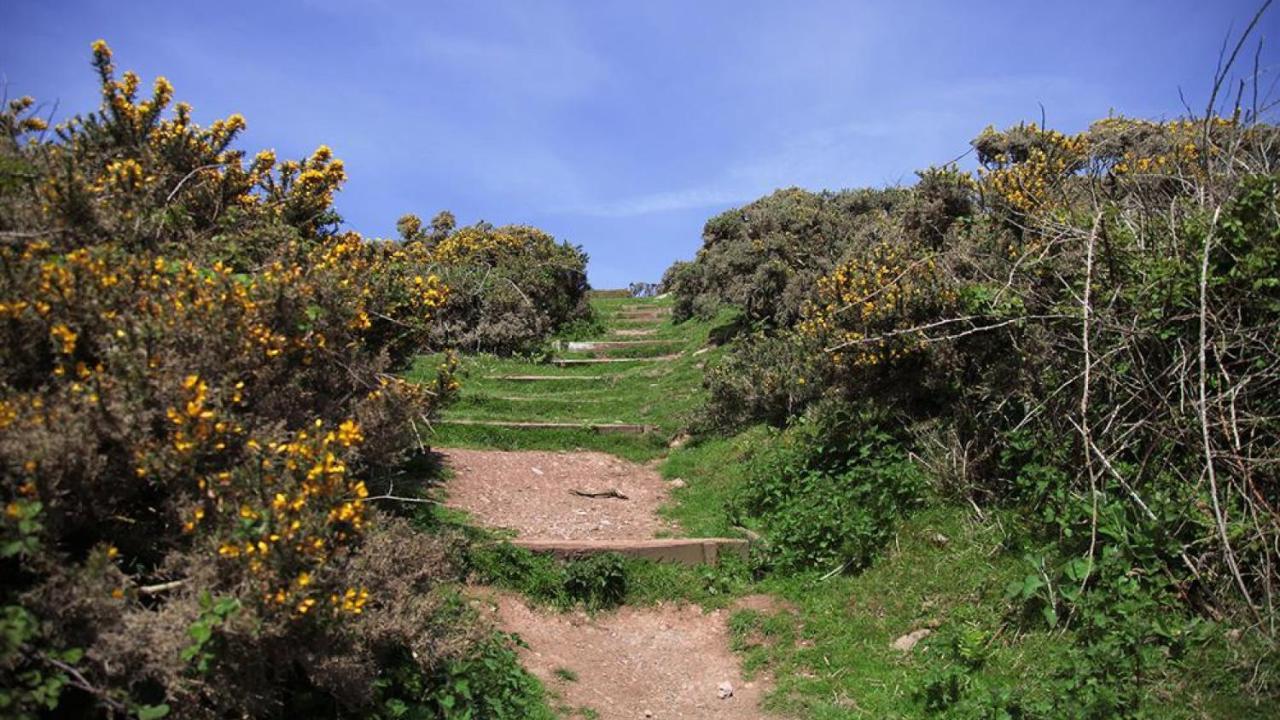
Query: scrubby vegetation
x: 199, y: 410
x: 1079, y: 338
x: 512, y: 287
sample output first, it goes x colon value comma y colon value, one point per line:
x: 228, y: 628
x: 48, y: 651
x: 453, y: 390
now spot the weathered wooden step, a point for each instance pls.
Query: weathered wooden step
x: 585, y: 345
x: 634, y: 332
x: 686, y: 551
x: 565, y: 362
x: 645, y: 309
x: 602, y: 428
x: 540, y: 378
x: 513, y: 398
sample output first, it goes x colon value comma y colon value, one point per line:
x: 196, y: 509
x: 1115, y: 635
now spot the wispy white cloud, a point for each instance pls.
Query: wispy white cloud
x: 830, y: 156
x: 659, y: 202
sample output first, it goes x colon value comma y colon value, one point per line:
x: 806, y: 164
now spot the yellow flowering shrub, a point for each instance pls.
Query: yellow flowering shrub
x: 1026, y: 166
x: 513, y: 286
x: 869, y: 308
x: 195, y: 400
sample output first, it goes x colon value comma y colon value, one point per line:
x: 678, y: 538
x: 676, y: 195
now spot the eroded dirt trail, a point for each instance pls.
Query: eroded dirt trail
x: 658, y: 662
x: 533, y: 493
x: 665, y: 661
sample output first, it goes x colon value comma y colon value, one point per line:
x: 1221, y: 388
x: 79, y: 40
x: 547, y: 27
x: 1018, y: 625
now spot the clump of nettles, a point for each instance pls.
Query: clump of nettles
x: 195, y: 400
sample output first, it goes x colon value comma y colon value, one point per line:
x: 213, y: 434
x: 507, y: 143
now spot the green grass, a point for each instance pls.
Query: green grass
x: 830, y: 652
x: 660, y: 394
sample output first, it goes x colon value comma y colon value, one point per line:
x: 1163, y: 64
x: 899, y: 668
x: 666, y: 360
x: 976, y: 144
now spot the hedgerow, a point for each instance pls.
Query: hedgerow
x: 197, y: 412
x: 1083, y: 329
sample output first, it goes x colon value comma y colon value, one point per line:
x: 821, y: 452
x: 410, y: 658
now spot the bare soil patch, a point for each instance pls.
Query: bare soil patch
x: 532, y: 493
x: 659, y: 662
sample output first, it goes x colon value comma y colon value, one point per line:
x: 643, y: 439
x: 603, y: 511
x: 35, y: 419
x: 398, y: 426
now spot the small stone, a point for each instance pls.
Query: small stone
x: 536, y: 471
x: 679, y: 440
x: 677, y: 483
x: 648, y: 714
x: 725, y: 691
x: 908, y: 641
x: 940, y: 540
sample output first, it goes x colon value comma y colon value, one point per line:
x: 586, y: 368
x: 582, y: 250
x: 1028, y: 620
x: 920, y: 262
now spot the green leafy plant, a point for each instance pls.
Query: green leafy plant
x: 214, y: 613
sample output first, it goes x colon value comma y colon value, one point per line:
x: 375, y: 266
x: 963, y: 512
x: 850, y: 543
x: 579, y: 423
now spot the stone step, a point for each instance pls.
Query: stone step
x: 565, y: 362
x: 602, y: 428
x: 686, y: 551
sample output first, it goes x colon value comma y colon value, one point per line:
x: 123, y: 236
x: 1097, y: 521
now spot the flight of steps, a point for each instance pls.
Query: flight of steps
x: 576, y: 389
x: 628, y: 344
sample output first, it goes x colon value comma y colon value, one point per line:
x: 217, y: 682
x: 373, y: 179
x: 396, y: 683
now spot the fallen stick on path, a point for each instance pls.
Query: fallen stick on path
x: 610, y: 493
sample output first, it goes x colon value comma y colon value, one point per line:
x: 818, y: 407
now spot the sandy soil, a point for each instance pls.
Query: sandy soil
x: 634, y: 663
x: 530, y: 492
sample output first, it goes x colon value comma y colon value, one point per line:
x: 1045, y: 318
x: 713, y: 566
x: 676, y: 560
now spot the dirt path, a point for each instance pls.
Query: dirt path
x: 667, y: 661
x: 671, y: 660
x: 633, y: 663
x: 531, y: 492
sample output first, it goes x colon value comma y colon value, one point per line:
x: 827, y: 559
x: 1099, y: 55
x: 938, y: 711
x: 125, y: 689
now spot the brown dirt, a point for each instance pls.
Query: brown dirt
x: 667, y: 660
x: 767, y: 604
x: 530, y: 492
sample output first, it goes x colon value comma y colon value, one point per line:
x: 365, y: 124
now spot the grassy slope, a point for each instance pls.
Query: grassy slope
x: 654, y: 393
x: 830, y: 654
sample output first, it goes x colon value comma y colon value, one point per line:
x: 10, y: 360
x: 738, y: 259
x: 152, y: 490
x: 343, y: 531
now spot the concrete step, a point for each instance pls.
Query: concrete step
x: 686, y: 551
x: 602, y: 428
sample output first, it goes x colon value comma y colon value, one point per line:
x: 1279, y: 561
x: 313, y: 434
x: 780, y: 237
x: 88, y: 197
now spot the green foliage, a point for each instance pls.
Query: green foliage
x: 597, y: 581
x: 31, y: 686
x: 213, y: 614
x: 486, y: 684
x: 829, y: 492
x: 197, y: 391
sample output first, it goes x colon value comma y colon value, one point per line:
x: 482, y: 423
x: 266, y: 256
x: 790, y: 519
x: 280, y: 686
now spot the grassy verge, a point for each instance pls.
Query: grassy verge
x: 828, y: 643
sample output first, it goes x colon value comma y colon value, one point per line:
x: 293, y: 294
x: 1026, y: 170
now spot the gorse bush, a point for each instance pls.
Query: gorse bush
x: 512, y: 286
x: 196, y: 404
x: 1084, y: 329
x: 763, y: 257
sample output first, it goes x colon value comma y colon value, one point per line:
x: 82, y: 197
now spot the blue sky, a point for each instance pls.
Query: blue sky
x: 623, y: 126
